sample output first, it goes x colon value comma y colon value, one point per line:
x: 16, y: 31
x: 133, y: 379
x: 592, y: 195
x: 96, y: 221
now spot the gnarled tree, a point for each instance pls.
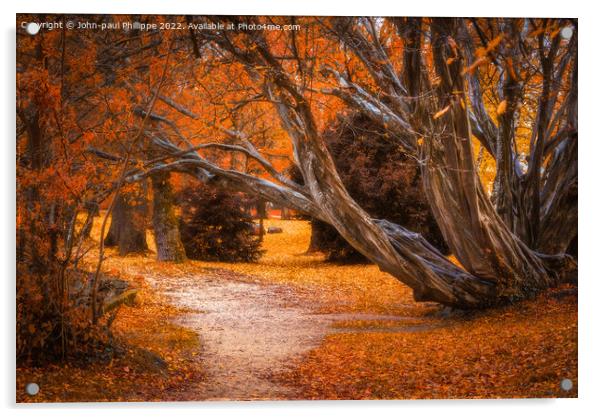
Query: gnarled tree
x: 455, y: 81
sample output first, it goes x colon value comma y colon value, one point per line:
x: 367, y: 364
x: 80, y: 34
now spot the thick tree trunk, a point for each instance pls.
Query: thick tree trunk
x: 474, y: 231
x: 498, y: 266
x: 165, y: 222
x: 396, y: 250
x: 37, y: 157
x: 314, y: 245
x: 128, y: 225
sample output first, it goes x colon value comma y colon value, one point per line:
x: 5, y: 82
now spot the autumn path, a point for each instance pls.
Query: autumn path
x: 250, y: 331
x: 292, y: 326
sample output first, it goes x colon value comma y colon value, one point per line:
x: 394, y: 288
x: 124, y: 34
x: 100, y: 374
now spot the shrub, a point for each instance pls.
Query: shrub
x: 53, y: 312
x: 54, y: 316
x: 380, y: 178
x: 215, y: 226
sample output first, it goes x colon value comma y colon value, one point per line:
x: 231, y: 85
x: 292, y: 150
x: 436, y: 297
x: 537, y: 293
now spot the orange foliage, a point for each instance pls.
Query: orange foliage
x: 132, y: 371
x: 522, y: 351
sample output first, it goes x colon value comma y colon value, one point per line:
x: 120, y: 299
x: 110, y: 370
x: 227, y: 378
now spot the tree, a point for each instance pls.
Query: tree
x: 128, y: 222
x: 165, y: 222
x: 61, y: 115
x: 437, y: 128
x: 261, y: 215
x: 436, y: 87
x: 380, y: 178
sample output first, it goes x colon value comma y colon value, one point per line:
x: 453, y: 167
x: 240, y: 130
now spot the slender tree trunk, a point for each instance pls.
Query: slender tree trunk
x: 165, y: 222
x: 559, y: 221
x: 284, y: 213
x: 559, y: 195
x: 92, y: 211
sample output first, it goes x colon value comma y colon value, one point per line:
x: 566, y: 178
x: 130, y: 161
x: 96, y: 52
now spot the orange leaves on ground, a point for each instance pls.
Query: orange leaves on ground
x: 156, y: 360
x: 523, y: 350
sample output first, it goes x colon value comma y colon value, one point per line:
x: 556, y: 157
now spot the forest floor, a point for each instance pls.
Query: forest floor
x: 294, y: 327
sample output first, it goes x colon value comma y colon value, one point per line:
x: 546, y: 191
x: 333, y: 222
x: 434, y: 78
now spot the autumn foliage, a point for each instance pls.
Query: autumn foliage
x: 523, y: 350
x: 505, y: 355
x: 444, y: 150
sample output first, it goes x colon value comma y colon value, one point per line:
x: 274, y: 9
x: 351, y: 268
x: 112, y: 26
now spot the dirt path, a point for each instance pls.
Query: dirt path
x: 248, y: 331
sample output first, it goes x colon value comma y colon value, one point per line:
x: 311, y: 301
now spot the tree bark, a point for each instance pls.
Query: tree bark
x: 128, y: 224
x: 165, y: 222
x: 262, y: 213
x: 314, y: 245
x: 475, y: 233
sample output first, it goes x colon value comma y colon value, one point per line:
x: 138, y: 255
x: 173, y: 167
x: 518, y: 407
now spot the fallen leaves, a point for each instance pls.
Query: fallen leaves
x: 520, y: 351
x: 523, y: 350
x: 153, y: 360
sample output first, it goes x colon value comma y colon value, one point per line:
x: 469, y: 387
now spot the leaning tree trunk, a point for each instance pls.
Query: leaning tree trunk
x: 404, y: 254
x: 496, y: 265
x: 165, y: 222
x: 128, y: 224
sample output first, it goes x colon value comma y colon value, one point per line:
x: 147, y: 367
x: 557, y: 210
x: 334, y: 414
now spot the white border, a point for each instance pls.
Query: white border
x: 589, y: 214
